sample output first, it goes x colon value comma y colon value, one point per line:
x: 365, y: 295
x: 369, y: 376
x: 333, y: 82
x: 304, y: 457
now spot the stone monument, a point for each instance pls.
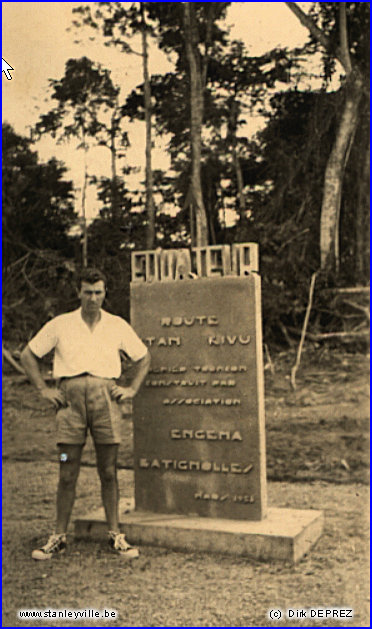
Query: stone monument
x: 199, y: 434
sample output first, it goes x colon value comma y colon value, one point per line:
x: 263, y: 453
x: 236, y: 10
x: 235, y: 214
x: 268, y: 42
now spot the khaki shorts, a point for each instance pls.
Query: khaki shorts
x: 88, y: 407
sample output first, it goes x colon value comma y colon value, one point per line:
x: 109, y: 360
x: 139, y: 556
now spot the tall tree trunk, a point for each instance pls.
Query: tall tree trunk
x: 196, y: 106
x: 114, y: 179
x: 211, y: 209
x: 333, y: 178
x: 362, y: 211
x: 83, y: 208
x: 240, y: 184
x: 337, y: 161
x: 150, y: 208
x: 232, y: 131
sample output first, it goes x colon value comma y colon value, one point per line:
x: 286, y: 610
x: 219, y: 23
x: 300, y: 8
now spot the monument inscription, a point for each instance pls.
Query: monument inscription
x: 199, y: 421
x: 199, y: 447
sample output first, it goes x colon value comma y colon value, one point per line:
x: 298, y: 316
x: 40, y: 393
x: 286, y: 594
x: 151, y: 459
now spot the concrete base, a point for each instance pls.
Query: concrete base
x: 285, y: 535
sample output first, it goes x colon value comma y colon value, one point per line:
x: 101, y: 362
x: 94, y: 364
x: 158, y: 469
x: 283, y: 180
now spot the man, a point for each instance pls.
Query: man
x: 87, y: 344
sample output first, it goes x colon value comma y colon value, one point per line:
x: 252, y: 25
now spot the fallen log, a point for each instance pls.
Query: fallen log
x: 362, y: 334
x: 304, y: 330
x: 7, y: 355
x: 347, y: 291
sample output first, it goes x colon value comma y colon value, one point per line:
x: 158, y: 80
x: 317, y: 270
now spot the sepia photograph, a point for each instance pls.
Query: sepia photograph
x: 186, y: 314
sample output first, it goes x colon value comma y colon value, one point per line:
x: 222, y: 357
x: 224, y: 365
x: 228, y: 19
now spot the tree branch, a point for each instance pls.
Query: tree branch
x: 320, y: 35
x: 344, y: 43
x: 347, y: 336
x: 363, y: 309
x: 208, y: 42
x: 14, y: 304
x: 304, y: 330
x: 124, y: 45
x: 35, y: 290
x: 348, y: 291
x: 7, y: 355
x: 309, y: 23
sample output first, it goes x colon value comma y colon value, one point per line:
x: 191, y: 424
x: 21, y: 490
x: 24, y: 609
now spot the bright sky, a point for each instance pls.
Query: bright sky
x: 37, y: 45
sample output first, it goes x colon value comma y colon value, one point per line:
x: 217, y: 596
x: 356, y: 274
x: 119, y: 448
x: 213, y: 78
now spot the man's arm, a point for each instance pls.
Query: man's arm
x: 140, y: 368
x: 31, y: 367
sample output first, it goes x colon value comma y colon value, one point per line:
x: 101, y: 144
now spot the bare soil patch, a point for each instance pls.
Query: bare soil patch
x: 317, y: 436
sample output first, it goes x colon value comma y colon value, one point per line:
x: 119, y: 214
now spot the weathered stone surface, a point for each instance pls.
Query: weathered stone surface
x: 284, y: 535
x: 199, y: 446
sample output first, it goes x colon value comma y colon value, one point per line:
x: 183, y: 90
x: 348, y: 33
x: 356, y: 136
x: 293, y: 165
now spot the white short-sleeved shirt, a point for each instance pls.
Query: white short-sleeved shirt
x: 79, y: 350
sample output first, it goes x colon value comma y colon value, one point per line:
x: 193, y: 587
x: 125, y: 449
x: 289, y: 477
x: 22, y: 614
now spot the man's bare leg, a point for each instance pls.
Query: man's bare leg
x: 69, y: 467
x: 106, y: 466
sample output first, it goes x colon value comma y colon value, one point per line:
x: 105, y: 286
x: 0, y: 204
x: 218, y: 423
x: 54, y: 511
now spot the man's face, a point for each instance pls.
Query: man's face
x: 92, y: 296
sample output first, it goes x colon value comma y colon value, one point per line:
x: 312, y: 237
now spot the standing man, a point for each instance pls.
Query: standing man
x: 87, y: 344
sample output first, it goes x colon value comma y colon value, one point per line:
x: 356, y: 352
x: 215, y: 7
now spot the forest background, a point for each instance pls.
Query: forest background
x: 299, y: 187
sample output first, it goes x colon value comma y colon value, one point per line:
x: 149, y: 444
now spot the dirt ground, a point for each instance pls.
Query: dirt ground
x: 317, y: 457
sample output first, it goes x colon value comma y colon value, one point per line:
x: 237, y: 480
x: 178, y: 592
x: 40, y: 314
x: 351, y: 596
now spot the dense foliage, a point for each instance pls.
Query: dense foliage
x: 266, y: 189
x: 38, y: 253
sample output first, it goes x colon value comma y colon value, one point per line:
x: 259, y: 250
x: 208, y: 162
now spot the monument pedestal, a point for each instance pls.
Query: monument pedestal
x: 284, y: 535
x: 199, y: 425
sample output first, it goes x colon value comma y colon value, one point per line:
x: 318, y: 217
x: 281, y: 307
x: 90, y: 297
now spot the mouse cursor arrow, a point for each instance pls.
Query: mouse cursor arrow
x: 6, y: 67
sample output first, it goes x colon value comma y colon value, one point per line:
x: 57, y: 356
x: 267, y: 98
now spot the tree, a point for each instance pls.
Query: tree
x: 191, y: 30
x: 150, y: 208
x: 38, y: 214
x: 197, y: 77
x: 175, y: 33
x: 119, y: 24
x: 85, y: 91
x: 284, y: 198
x: 334, y: 38
x: 236, y: 82
x: 37, y: 200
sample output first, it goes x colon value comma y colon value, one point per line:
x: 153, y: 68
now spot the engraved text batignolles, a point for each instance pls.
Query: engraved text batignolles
x: 197, y: 466
x: 241, y: 499
x: 221, y: 368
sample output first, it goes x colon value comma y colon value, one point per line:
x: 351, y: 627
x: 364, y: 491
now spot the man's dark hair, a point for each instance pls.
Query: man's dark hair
x: 90, y: 275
